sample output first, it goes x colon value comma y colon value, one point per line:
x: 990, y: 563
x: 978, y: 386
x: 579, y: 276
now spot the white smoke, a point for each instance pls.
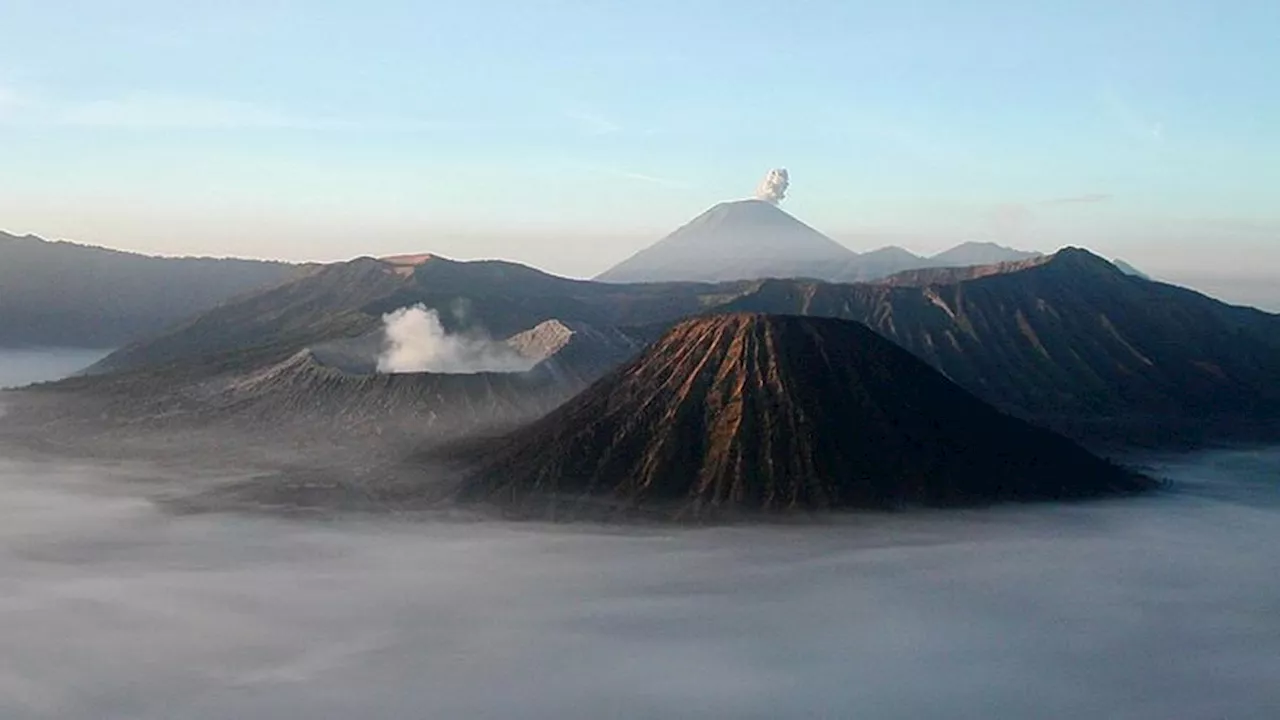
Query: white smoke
x: 773, y: 188
x: 415, y: 341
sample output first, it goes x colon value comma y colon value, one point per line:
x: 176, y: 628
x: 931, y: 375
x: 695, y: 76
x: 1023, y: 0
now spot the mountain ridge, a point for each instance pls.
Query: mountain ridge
x: 60, y: 293
x: 979, y: 253
x: 754, y: 239
x: 1067, y: 337
x: 1055, y: 339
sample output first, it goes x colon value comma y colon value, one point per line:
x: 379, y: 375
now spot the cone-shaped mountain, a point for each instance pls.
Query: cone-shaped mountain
x: 745, y: 239
x: 773, y: 412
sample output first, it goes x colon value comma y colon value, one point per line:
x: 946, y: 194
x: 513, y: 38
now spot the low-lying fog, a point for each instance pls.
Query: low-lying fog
x: 1160, y: 607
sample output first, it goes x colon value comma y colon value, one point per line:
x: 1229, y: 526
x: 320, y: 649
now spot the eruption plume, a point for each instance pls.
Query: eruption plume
x: 773, y: 189
x: 416, y: 341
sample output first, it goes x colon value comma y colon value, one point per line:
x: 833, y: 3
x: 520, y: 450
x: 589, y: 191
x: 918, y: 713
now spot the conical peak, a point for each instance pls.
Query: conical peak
x: 1076, y: 258
x: 775, y: 411
x: 746, y: 212
x: 742, y: 239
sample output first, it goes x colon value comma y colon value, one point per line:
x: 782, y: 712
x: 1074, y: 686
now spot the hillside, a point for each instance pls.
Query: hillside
x: 307, y: 389
x: 69, y: 295
x: 327, y: 303
x: 348, y: 300
x: 770, y: 412
x: 1066, y: 338
x: 575, y: 353
x: 302, y: 391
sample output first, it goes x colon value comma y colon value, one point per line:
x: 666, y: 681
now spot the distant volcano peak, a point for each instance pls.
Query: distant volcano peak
x: 735, y: 240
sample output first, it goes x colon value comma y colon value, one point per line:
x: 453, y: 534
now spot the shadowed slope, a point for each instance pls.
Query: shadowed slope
x: 574, y: 352
x: 272, y: 325
x: 775, y: 412
x: 334, y: 389
x: 306, y: 389
x: 346, y: 301
x: 1068, y: 337
x: 65, y: 294
x: 302, y: 390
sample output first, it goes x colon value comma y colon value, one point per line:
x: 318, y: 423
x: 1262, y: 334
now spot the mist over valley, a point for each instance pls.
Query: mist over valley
x: 1156, y: 607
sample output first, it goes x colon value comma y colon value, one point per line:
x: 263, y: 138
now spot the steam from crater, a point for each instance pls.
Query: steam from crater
x: 416, y: 341
x: 773, y: 189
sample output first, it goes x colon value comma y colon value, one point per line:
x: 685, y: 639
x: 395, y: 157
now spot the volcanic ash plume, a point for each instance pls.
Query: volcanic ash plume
x: 417, y: 342
x: 773, y: 189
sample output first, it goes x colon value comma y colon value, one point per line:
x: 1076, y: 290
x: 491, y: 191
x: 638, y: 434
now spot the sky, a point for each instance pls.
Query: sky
x: 568, y: 135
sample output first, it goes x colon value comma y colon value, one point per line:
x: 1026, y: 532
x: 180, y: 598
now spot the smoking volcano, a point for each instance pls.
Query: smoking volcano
x: 427, y: 382
x: 744, y: 239
x: 780, y: 412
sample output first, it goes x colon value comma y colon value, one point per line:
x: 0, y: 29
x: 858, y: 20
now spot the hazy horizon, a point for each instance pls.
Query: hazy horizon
x: 570, y: 137
x: 1252, y: 285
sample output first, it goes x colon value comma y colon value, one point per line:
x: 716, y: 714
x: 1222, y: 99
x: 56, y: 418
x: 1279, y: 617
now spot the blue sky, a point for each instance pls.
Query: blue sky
x: 569, y: 134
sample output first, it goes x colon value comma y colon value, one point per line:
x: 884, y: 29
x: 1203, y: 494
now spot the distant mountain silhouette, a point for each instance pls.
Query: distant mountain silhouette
x: 735, y: 240
x: 892, y: 260
x: 64, y: 294
x: 1128, y: 269
x: 877, y: 264
x: 949, y: 274
x: 979, y: 253
x: 773, y: 412
x: 751, y: 240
